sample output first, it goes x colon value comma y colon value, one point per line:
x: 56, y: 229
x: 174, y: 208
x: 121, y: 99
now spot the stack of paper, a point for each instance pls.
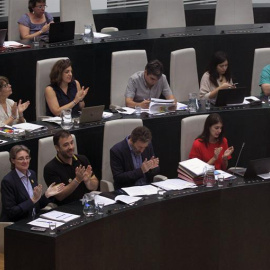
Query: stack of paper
x: 174, y: 184
x: 59, y: 216
x: 140, y: 190
x: 44, y: 223
x: 158, y: 106
x: 120, y: 198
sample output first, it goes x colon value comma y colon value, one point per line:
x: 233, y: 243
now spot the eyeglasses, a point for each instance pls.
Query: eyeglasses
x: 40, y: 7
x: 23, y: 159
x: 5, y: 85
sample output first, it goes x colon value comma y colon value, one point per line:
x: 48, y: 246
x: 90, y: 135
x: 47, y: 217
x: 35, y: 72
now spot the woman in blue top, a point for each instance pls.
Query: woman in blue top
x: 36, y: 22
x: 64, y: 92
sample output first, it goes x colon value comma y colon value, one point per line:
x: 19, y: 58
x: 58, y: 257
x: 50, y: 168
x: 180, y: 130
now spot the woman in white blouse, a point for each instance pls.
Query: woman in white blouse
x: 217, y: 77
x: 10, y: 112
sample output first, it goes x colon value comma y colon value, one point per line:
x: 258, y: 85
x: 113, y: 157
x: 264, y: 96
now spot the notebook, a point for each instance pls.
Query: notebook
x: 3, y: 33
x: 61, y: 31
x: 255, y: 167
x: 230, y: 96
x: 92, y: 114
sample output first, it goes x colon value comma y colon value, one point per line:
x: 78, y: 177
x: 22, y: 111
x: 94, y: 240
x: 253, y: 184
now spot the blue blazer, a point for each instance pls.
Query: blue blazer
x: 122, y: 166
x: 16, y: 203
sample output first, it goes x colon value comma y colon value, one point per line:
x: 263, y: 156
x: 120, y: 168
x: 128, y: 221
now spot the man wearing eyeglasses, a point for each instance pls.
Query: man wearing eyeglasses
x: 35, y: 23
x: 73, y: 170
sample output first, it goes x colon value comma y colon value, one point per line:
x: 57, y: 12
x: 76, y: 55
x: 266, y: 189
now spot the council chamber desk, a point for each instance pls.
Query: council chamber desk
x: 243, y: 124
x: 203, y: 228
x: 92, y: 62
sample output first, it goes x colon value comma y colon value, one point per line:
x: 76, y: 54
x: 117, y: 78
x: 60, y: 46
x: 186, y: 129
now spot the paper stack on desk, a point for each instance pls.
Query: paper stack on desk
x: 174, y: 184
x: 159, y: 106
x: 59, y: 216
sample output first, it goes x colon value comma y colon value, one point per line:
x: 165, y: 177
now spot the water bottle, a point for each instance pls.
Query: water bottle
x: 192, y: 102
x: 88, y: 36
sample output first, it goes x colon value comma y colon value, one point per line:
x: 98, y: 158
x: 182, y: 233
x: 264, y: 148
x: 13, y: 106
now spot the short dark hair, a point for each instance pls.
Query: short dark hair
x: 211, y: 120
x: 58, y: 69
x: 218, y: 58
x: 14, y: 151
x: 32, y: 4
x: 142, y: 134
x: 3, y: 80
x: 155, y: 68
x: 60, y: 134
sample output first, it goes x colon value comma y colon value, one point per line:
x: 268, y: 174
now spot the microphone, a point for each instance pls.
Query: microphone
x: 233, y: 177
x: 179, y: 33
x: 239, y: 29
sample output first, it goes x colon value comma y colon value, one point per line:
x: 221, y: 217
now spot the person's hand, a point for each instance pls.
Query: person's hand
x: 37, y: 191
x: 14, y: 109
x: 54, y: 189
x: 228, y: 152
x: 145, y: 104
x: 87, y: 173
x: 217, y: 152
x: 155, y: 162
x: 22, y: 106
x: 148, y: 165
x: 226, y: 85
x: 79, y: 171
x: 45, y: 28
x: 81, y: 93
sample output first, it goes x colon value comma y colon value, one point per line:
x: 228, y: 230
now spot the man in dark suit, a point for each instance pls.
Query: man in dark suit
x: 133, y: 161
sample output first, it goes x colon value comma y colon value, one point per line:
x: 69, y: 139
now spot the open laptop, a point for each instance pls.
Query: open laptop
x: 92, y: 114
x: 61, y: 31
x: 3, y: 33
x: 255, y: 167
x: 230, y: 96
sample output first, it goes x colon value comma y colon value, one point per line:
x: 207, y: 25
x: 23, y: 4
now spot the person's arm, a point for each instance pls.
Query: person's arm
x: 90, y: 180
x: 25, y: 31
x: 85, y: 91
x: 132, y: 104
x: 266, y: 89
x: 51, y: 176
x: 227, y: 155
x: 53, y: 104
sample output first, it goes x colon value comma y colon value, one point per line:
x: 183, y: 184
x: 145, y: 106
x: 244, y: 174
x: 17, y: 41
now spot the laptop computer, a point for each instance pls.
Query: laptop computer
x: 230, y: 96
x: 61, y: 31
x: 92, y: 114
x: 3, y: 33
x: 255, y: 167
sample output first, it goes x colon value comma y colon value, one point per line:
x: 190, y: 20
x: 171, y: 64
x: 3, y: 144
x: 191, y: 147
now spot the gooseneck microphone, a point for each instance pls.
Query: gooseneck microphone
x: 233, y: 177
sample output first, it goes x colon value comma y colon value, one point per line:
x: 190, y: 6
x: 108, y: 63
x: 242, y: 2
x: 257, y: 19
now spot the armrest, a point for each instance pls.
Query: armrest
x: 159, y: 177
x: 106, y: 186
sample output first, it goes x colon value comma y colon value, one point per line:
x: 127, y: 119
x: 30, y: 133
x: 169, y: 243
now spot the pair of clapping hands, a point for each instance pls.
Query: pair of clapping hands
x: 226, y: 154
x: 82, y: 173
x: 150, y: 164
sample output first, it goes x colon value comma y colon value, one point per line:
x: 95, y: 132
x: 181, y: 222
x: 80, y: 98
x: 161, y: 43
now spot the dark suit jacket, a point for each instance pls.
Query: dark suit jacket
x: 122, y: 167
x: 16, y: 203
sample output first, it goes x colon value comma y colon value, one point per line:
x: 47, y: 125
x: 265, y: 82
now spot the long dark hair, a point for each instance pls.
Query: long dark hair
x: 218, y: 58
x: 211, y: 120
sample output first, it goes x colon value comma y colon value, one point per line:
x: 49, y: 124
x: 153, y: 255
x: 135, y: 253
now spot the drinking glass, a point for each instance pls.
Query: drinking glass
x: 100, y: 208
x: 88, y: 209
x: 52, y: 227
x: 88, y: 36
x: 220, y: 180
x: 192, y: 102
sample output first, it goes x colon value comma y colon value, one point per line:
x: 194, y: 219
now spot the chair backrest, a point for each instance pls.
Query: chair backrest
x: 4, y: 170
x: 16, y: 9
x: 80, y: 12
x: 43, y: 71
x: 109, y: 29
x: 124, y: 64
x: 261, y: 59
x: 46, y: 152
x: 234, y: 12
x: 114, y: 132
x: 183, y: 73
x: 165, y: 14
x: 2, y: 226
x: 191, y: 128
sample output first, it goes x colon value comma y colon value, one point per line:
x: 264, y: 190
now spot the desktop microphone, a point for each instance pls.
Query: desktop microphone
x: 239, y: 29
x: 233, y: 177
x: 177, y: 33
